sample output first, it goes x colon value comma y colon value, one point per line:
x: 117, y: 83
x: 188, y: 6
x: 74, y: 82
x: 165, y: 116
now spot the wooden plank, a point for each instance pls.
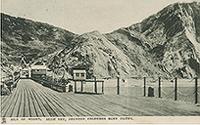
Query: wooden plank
x: 80, y: 109
x: 55, y: 103
x: 8, y: 107
x: 46, y: 105
x: 50, y: 104
x: 37, y: 108
x: 21, y: 106
x: 51, y: 111
x: 31, y: 106
x: 69, y: 110
x: 97, y: 104
x: 60, y: 104
x: 42, y: 108
x: 5, y: 101
x: 16, y: 105
x: 77, y: 111
x: 70, y: 107
x: 8, y: 99
x: 26, y: 106
x: 50, y: 96
x: 3, y: 98
x: 98, y: 101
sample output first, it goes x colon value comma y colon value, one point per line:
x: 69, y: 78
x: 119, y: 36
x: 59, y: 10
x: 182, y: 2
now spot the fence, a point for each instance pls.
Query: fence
x: 126, y: 87
x: 174, y: 88
x: 9, y: 83
x: 58, y: 85
x: 171, y: 88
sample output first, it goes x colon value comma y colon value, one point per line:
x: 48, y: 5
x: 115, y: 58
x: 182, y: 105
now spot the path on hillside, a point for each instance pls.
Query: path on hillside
x: 31, y: 99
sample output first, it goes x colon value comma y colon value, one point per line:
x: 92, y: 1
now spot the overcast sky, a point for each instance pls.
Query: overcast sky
x: 81, y: 16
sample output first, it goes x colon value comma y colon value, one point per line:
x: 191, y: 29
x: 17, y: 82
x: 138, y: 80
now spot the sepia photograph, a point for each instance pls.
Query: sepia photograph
x: 99, y: 60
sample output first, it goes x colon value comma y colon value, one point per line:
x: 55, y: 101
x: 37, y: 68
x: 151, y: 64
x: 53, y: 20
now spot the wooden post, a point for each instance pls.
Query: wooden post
x: 29, y: 72
x: 81, y: 86
x: 64, y: 88
x: 175, y: 90
x: 144, y: 86
x: 13, y: 79
x: 95, y: 85
x: 159, y: 87
x: 118, y: 85
x: 102, y: 87
x: 196, y: 90
x: 75, y: 86
x: 53, y: 77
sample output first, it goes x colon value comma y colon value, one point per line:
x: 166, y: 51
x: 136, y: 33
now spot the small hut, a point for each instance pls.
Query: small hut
x: 79, y: 74
x: 38, y: 70
x: 80, y: 82
x: 25, y: 69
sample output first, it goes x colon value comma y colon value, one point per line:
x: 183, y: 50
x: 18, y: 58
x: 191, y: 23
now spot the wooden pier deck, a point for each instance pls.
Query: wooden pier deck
x: 31, y: 99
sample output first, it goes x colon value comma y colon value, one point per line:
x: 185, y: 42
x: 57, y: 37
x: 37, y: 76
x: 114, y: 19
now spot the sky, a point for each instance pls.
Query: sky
x: 80, y: 16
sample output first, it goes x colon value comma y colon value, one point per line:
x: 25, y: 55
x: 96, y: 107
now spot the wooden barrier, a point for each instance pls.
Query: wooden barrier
x: 102, y: 89
x: 50, y: 84
x: 159, y: 87
x: 11, y: 82
x: 196, y: 90
x: 175, y: 90
x: 144, y: 86
x: 86, y: 81
x: 118, y: 86
x: 95, y: 84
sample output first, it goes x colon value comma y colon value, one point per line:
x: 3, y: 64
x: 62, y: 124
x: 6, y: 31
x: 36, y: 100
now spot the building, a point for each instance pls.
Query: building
x: 25, y: 72
x: 79, y: 78
x: 79, y: 74
x: 25, y: 69
x: 38, y: 70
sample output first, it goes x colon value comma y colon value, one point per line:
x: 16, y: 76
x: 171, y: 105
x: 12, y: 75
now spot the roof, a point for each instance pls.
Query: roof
x: 79, y: 71
x: 78, y: 68
x: 38, y: 67
x: 24, y: 68
x: 1, y: 83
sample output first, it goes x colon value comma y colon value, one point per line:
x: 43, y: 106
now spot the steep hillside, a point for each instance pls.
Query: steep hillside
x: 136, y: 47
x: 165, y: 44
x: 174, y: 34
x: 102, y: 58
x: 21, y: 36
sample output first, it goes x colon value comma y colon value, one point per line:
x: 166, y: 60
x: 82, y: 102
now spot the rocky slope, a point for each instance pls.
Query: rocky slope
x: 21, y: 36
x: 165, y: 44
x: 103, y: 59
x: 174, y: 34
